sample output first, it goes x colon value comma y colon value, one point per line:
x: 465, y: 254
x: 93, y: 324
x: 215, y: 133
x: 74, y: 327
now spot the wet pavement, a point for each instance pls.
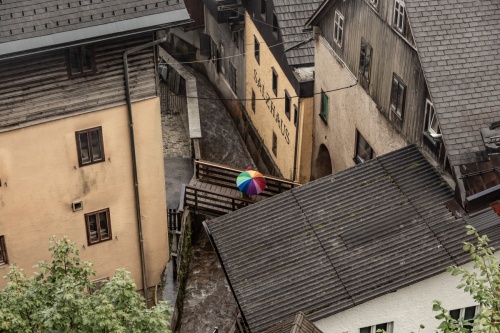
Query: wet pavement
x: 208, y: 299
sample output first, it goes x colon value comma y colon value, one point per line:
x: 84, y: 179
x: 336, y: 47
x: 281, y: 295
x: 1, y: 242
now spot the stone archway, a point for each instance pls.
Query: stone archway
x: 323, y: 162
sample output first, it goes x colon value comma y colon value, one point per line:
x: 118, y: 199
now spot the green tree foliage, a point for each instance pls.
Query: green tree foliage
x: 56, y: 299
x: 483, y: 284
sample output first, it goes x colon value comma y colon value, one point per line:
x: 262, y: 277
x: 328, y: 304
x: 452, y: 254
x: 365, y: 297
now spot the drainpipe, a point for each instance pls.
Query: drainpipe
x: 296, y: 142
x: 134, y: 158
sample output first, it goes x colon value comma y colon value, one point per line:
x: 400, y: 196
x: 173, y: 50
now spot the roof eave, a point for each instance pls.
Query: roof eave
x: 101, y: 32
x: 315, y: 16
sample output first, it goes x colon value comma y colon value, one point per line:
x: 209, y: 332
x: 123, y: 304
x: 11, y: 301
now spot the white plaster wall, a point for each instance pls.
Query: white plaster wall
x: 407, y: 308
x: 349, y: 109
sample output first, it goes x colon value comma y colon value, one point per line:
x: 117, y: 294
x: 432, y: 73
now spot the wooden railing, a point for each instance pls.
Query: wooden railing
x: 212, y: 202
x: 221, y: 175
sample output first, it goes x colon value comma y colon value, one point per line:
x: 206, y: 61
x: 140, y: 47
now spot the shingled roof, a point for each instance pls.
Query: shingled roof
x: 457, y: 42
x: 291, y: 15
x: 30, y: 20
x: 294, y: 324
x: 307, y: 249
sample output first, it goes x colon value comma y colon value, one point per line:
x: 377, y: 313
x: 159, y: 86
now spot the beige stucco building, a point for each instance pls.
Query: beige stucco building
x: 80, y: 138
x: 280, y: 113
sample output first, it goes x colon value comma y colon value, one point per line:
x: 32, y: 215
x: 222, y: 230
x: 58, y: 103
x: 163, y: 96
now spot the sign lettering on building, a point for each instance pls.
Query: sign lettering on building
x: 272, y: 107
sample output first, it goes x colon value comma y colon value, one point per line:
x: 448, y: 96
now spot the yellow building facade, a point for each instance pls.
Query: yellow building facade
x: 51, y: 185
x: 282, y: 119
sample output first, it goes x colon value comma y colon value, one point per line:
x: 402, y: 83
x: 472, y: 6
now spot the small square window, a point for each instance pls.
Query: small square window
x: 398, y: 92
x: 399, y: 15
x: 253, y: 101
x: 295, y: 115
x: 275, y: 82
x: 80, y: 60
x: 288, y: 104
x: 90, y: 146
x: 98, y: 284
x: 257, y: 49
x: 275, y: 144
x: 467, y: 314
x: 363, y: 150
x: 98, y: 226
x: 373, y: 329
x: 338, y: 29
x: 3, y: 252
x: 323, y: 113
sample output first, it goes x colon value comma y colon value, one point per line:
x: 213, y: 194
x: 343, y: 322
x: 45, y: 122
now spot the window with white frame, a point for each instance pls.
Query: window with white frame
x: 432, y: 121
x: 373, y: 329
x: 467, y: 314
x: 399, y: 14
x: 338, y: 30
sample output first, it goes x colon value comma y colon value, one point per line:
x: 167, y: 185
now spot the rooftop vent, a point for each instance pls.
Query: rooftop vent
x: 491, y: 138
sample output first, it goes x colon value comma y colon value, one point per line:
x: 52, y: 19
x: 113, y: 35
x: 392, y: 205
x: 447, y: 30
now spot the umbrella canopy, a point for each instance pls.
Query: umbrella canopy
x: 251, y: 182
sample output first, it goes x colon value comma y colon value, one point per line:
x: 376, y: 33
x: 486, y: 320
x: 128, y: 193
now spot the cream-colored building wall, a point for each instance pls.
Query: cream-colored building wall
x: 304, y: 153
x: 406, y: 308
x: 348, y: 110
x: 269, y: 115
x: 41, y: 177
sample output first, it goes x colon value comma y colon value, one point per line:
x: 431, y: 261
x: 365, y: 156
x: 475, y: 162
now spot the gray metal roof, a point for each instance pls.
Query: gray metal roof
x: 308, y: 249
x: 26, y: 25
x: 457, y: 41
x: 291, y: 15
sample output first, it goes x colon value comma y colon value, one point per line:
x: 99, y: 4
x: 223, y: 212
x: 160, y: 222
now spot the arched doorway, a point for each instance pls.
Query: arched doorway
x: 323, y: 162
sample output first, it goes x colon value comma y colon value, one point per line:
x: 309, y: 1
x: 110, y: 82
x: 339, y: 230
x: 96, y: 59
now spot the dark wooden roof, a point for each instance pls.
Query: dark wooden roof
x: 341, y: 240
x: 291, y: 15
x: 457, y: 42
x: 35, y: 19
x: 294, y: 324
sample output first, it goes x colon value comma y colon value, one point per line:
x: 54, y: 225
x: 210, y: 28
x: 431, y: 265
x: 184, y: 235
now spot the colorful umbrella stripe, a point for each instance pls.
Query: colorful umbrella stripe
x: 251, y: 182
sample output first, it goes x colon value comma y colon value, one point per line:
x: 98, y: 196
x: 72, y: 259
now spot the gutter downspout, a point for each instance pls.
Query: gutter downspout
x: 134, y: 158
x: 299, y: 123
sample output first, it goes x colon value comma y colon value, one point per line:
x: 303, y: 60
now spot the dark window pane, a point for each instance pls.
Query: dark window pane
x: 94, y: 237
x: 2, y: 254
x: 469, y: 313
x: 394, y: 93
x: 253, y: 101
x: 84, y: 148
x: 74, y: 60
x: 455, y: 314
x: 103, y: 223
x: 295, y: 115
x: 86, y: 59
x: 96, y: 145
x: 324, y: 106
x: 287, y: 105
x: 381, y: 327
x: 363, y: 150
x: 365, y: 330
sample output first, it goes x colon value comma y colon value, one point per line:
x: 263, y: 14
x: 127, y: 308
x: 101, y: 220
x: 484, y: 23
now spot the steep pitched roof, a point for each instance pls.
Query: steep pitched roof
x: 307, y: 249
x: 291, y: 15
x: 457, y: 41
x: 25, y: 23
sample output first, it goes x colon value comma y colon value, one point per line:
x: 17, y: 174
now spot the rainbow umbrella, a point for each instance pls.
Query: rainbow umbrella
x: 251, y: 182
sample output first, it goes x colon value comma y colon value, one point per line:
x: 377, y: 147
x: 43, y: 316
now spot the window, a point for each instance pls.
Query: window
x: 275, y: 25
x: 398, y: 91
x: 323, y: 113
x: 98, y: 284
x: 275, y: 82
x: 81, y: 60
x: 363, y: 151
x: 432, y: 121
x: 338, y: 28
x: 288, y: 104
x: 275, y: 144
x: 232, y: 77
x: 399, y: 15
x: 98, y: 226
x: 373, y: 329
x: 3, y: 252
x: 263, y: 5
x: 295, y: 115
x: 256, y: 49
x: 466, y: 314
x: 90, y: 147
x: 365, y: 59
x: 253, y: 101
x: 236, y: 38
